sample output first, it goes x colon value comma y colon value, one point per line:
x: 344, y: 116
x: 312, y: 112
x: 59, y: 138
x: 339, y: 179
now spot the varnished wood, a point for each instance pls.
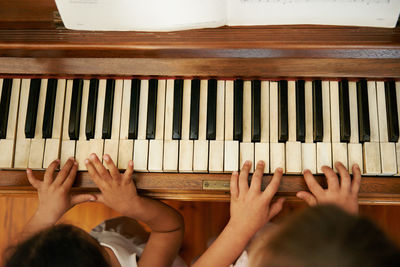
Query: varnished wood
x: 189, y: 186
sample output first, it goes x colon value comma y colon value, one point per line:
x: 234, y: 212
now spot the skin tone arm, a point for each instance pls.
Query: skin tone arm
x: 54, y: 197
x: 118, y: 191
x: 251, y: 209
x: 344, y: 195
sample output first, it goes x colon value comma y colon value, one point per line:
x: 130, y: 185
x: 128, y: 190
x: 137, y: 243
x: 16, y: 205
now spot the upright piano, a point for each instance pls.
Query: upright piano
x: 190, y: 107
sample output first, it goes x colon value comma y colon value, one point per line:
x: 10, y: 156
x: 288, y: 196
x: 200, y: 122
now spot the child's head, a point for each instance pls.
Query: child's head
x: 324, y: 236
x: 61, y: 245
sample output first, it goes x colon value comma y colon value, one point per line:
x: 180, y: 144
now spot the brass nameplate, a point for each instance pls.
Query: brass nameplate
x: 216, y: 185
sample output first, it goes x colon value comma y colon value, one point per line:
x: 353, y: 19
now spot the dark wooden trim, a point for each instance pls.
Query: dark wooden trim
x: 205, y: 67
x: 188, y: 186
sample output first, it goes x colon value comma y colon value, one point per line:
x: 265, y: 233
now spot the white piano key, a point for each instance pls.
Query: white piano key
x: 144, y: 96
x: 398, y: 116
x: 200, y: 157
x: 125, y: 149
x: 22, y: 144
x: 381, y: 104
x: 277, y: 156
x: 83, y: 148
x: 355, y: 156
x: 156, y: 155
x: 264, y: 112
x: 200, y: 149
x: 8, y: 144
x: 339, y: 154
x: 53, y: 145
x: 140, y: 155
x: 373, y: 112
x: 97, y: 144
x: 273, y: 90
x: 125, y: 153
x: 171, y: 151
x: 220, y: 123
x: 216, y: 157
x: 372, y: 158
x: 246, y: 112
x: 67, y: 145
x: 261, y: 152
x: 186, y: 155
x: 293, y: 157
x: 309, y: 157
x: 387, y: 149
x: 171, y: 147
x: 324, y: 155
x: 126, y: 103
x: 111, y: 145
x: 186, y: 98
x: 354, y: 134
x: 292, y: 111
x: 247, y: 153
x: 335, y: 120
x: 186, y: 145
x: 308, y: 101
x: 156, y: 146
x: 326, y: 109
x: 229, y: 110
x: 388, y: 158
x: 36, y: 152
x: 231, y: 156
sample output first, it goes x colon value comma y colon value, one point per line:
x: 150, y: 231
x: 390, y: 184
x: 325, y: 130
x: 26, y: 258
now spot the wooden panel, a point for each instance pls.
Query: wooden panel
x: 189, y: 186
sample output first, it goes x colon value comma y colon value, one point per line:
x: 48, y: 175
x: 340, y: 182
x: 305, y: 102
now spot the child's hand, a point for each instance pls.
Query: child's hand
x: 118, y: 191
x: 344, y: 195
x: 251, y: 208
x: 54, y: 193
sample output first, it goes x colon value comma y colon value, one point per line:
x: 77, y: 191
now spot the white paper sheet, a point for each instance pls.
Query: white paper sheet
x: 376, y: 13
x: 141, y: 15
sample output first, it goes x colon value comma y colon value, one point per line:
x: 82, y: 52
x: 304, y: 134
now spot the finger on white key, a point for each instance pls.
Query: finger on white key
x: 125, y: 153
x: 324, y: 156
x: 339, y: 154
x: 261, y: 152
x: 247, y: 154
x: 309, y: 157
x: 355, y: 156
x: 83, y: 148
x: 277, y: 156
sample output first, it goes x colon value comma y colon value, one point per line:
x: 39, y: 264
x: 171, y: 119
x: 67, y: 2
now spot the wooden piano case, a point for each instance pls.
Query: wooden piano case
x: 32, y: 44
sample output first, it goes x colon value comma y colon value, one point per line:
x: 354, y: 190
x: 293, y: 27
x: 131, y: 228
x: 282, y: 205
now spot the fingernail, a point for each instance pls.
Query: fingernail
x: 28, y: 170
x: 58, y: 160
x: 71, y: 158
x: 93, y: 156
x: 106, y: 157
x: 279, y: 169
x: 92, y: 199
x: 261, y: 163
x: 76, y: 163
x: 130, y: 163
x: 306, y: 170
x: 86, y: 161
x: 235, y: 173
x: 357, y: 167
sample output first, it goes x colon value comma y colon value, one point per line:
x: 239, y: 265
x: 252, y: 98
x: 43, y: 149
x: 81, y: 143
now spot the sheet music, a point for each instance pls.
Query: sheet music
x: 141, y: 15
x: 376, y: 13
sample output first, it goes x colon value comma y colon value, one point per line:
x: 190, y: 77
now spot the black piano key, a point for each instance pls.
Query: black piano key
x: 194, y: 110
x: 108, y: 109
x: 5, y: 107
x: 300, y: 112
x: 283, y: 132
x: 212, y: 109
x: 48, y: 116
x: 363, y: 111
x: 152, y: 109
x: 75, y: 111
x: 31, y: 112
x: 134, y: 109
x: 177, y: 109
x: 318, y: 123
x: 238, y: 110
x: 91, y: 109
x: 255, y: 111
x: 344, y: 111
x: 391, y: 111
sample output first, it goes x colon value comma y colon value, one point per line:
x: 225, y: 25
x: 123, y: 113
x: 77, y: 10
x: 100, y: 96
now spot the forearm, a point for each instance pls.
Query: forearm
x: 38, y: 222
x: 157, y: 215
x: 225, y: 249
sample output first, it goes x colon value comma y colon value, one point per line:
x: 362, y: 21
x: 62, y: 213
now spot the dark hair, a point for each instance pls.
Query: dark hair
x: 61, y: 245
x: 325, y: 236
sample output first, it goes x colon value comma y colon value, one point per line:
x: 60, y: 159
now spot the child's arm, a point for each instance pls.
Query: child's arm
x: 118, y: 191
x: 344, y: 195
x: 54, y: 197
x: 251, y: 208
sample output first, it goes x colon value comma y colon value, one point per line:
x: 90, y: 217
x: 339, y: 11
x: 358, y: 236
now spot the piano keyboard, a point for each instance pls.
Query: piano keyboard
x: 201, y: 125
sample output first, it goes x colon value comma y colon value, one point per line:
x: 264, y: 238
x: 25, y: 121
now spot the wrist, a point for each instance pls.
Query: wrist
x: 240, y: 230
x: 45, y: 216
